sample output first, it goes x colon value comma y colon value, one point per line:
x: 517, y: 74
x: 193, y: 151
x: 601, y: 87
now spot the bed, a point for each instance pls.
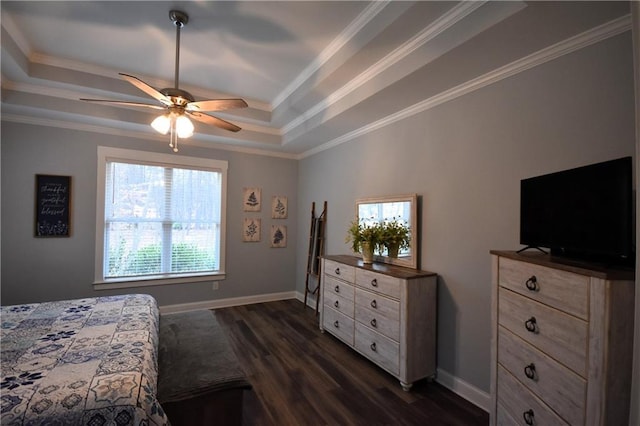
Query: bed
x: 81, y: 362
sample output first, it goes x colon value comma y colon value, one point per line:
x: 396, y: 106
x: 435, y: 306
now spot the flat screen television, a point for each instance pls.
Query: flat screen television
x: 584, y: 213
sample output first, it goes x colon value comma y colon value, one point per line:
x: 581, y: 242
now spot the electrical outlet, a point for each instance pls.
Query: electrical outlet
x: 216, y: 285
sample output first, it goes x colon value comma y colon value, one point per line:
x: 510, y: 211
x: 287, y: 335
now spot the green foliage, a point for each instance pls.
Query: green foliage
x: 378, y: 235
x: 147, y: 260
x: 362, y: 232
x: 396, y: 232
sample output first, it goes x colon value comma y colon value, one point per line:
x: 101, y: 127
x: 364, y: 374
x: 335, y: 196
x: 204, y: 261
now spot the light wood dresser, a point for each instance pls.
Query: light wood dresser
x: 562, y: 342
x: 386, y: 313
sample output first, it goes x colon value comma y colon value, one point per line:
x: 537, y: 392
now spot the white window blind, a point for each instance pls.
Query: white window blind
x: 161, y: 219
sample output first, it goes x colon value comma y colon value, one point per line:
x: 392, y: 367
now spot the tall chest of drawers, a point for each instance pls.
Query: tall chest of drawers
x: 386, y: 313
x: 562, y: 342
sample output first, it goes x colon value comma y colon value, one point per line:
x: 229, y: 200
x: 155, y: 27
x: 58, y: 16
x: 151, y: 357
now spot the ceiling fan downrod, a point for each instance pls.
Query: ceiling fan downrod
x: 179, y: 19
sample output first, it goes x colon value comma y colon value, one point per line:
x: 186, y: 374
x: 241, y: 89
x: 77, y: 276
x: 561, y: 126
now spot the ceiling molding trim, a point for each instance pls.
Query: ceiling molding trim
x: 371, y: 11
x: 68, y: 64
x: 42, y: 59
x: 446, y: 21
x: 572, y: 44
x: 37, y: 121
x: 17, y: 35
x: 61, y: 93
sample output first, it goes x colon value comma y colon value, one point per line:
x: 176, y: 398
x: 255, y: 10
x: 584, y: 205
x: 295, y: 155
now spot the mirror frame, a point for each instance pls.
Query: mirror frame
x: 413, y: 260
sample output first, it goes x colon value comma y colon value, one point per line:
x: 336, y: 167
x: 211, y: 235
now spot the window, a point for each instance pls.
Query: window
x: 161, y: 218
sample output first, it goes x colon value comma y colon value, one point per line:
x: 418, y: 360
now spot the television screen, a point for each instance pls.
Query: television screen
x: 586, y: 212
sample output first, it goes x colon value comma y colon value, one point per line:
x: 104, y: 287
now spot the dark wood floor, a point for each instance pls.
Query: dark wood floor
x: 303, y: 377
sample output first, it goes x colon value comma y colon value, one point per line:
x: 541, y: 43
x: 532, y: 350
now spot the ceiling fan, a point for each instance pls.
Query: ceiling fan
x: 179, y: 103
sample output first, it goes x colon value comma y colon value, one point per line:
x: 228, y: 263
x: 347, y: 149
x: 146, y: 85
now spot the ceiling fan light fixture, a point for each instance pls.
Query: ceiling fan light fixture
x: 162, y: 124
x: 178, y: 103
x: 184, y: 127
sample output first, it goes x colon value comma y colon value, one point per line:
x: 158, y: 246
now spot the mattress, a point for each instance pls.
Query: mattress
x: 81, y: 362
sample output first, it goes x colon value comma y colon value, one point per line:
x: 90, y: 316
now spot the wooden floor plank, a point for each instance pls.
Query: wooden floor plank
x: 301, y: 376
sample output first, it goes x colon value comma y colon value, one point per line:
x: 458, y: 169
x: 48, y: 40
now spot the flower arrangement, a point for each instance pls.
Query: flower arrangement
x: 365, y: 237
x: 395, y: 236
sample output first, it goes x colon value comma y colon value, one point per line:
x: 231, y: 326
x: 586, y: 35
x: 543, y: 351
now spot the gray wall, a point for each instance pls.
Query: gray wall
x: 39, y: 269
x: 465, y: 159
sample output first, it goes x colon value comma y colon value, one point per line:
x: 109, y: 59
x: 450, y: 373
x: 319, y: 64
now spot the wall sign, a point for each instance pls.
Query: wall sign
x: 53, y: 206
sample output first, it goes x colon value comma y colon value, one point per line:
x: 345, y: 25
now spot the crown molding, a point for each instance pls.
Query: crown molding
x: 16, y: 35
x: 371, y: 11
x: 106, y: 130
x: 572, y: 44
x: 440, y: 25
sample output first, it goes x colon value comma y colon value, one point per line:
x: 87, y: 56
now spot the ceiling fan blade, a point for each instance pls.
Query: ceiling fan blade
x: 147, y: 89
x: 216, y: 105
x: 214, y: 121
x: 134, y: 104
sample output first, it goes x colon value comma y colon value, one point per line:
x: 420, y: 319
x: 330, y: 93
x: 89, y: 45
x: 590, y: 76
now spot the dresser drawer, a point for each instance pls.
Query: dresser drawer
x: 380, y: 283
x: 338, y: 324
x: 378, y: 312
x: 339, y: 270
x: 378, y: 304
x: 516, y: 400
x: 340, y: 288
x: 555, y: 333
x: 339, y: 303
x: 560, y: 289
x: 387, y: 326
x: 563, y: 390
x: 381, y: 350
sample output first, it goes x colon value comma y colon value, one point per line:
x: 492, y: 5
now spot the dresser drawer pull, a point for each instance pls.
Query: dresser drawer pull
x: 374, y: 282
x: 337, y: 289
x: 336, y: 324
x: 528, y: 417
x: 337, y: 271
x: 532, y: 283
x: 336, y: 304
x: 374, y: 304
x: 531, y: 325
x: 530, y: 371
x: 373, y: 346
x: 374, y: 323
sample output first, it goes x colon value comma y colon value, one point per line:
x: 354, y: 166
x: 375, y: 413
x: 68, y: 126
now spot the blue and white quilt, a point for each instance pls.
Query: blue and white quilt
x: 81, y: 362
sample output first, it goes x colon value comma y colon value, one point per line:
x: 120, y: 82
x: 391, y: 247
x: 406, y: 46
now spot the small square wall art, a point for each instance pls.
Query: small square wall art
x: 278, y: 236
x: 251, y: 230
x: 252, y: 199
x: 279, y: 207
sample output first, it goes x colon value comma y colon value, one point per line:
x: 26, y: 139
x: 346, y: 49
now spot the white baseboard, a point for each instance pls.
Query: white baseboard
x: 226, y: 303
x: 453, y: 383
x: 464, y: 389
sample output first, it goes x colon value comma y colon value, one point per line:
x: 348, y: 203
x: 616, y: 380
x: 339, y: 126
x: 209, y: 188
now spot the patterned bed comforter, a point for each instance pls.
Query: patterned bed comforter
x: 81, y: 362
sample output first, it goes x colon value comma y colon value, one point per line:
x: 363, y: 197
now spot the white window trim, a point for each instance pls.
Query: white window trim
x: 107, y: 153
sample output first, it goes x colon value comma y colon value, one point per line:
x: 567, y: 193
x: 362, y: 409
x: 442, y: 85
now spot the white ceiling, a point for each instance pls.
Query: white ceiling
x: 313, y: 72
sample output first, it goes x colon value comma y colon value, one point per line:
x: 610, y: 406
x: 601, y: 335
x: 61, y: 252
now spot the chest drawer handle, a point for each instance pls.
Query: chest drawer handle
x: 373, y: 346
x: 337, y: 271
x: 374, y: 282
x: 374, y: 323
x: 528, y: 417
x: 336, y: 304
x: 530, y: 371
x: 337, y: 289
x: 532, y: 283
x: 336, y: 324
x: 531, y: 325
x: 374, y: 304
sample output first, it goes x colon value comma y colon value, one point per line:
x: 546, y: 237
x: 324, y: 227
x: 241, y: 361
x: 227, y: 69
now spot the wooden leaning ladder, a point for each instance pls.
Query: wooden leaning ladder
x: 316, y: 250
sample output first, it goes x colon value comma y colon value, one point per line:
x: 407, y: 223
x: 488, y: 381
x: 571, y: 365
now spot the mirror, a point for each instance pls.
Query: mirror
x: 401, y: 209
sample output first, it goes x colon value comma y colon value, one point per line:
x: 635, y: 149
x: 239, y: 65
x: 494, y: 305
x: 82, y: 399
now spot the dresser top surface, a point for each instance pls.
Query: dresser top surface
x: 575, y: 266
x: 382, y: 268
